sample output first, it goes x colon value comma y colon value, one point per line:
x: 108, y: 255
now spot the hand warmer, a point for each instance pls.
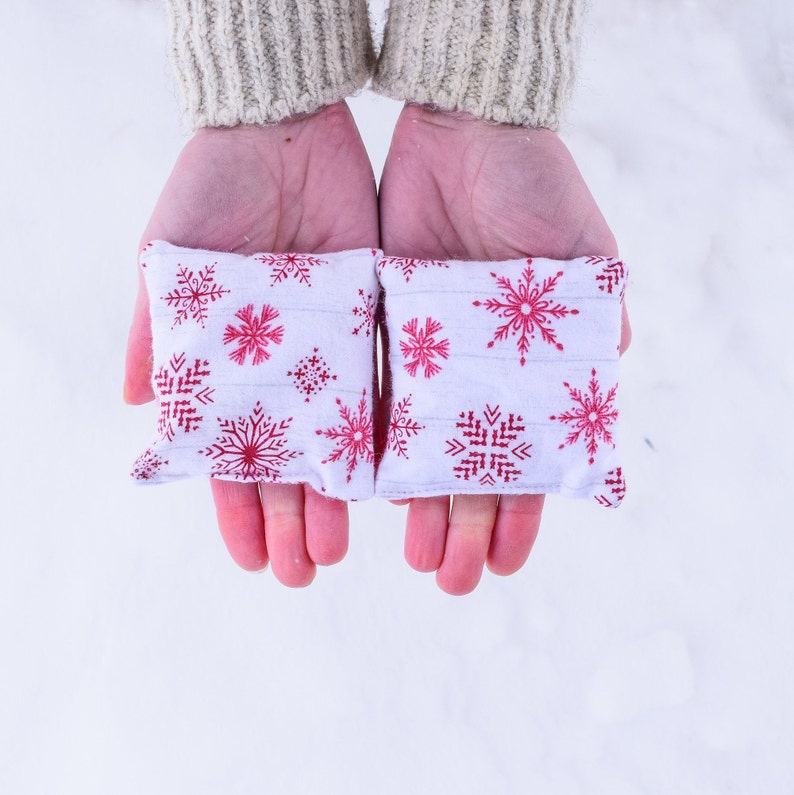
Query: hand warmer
x: 262, y: 367
x: 503, y: 377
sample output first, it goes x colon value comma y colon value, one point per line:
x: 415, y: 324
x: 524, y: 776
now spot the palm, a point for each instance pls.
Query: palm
x: 304, y: 184
x: 457, y: 187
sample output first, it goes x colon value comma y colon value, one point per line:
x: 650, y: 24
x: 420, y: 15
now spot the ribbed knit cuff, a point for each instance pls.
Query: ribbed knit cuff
x: 260, y: 61
x: 508, y: 61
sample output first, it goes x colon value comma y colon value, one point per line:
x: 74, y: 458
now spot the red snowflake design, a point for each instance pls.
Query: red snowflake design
x: 286, y: 266
x: 252, y: 448
x: 147, y: 466
x: 353, y: 436
x: 408, y: 266
x: 311, y: 375
x: 401, y: 427
x: 193, y: 293
x: 179, y: 390
x: 591, y: 416
x: 422, y: 347
x: 366, y: 313
x: 145, y: 248
x: 490, y: 446
x: 617, y: 489
x: 254, y: 335
x: 528, y: 310
x: 612, y: 275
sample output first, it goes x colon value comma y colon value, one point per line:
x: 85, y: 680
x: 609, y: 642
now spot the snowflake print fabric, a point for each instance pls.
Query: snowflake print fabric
x: 504, y: 376
x: 253, y: 358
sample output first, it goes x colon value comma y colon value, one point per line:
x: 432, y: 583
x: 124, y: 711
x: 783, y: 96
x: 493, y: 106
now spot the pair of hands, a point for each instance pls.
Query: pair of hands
x: 453, y: 187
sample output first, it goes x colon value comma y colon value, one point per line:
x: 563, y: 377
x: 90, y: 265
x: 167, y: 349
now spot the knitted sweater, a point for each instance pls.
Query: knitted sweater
x: 259, y: 61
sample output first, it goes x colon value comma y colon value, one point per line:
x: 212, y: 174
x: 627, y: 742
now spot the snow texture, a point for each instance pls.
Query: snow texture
x: 641, y: 651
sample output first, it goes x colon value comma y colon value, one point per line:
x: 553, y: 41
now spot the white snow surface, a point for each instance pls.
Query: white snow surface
x: 644, y: 650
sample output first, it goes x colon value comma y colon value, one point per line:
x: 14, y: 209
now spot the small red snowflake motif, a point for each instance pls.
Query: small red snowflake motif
x: 612, y: 275
x: 286, y: 266
x: 254, y: 334
x: 617, y: 489
x: 179, y: 389
x: 401, y: 427
x: 490, y: 446
x: 252, y: 448
x: 353, y: 436
x: 422, y: 347
x: 311, y: 375
x: 366, y: 312
x: 408, y: 266
x: 528, y: 310
x: 591, y: 416
x: 147, y: 466
x: 143, y: 251
x: 193, y: 294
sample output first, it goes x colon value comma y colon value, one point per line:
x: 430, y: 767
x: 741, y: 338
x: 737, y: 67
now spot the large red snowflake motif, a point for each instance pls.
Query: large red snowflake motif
x: 366, y: 313
x: 311, y: 375
x: 254, y: 334
x: 612, y: 275
x: 295, y: 266
x: 252, y: 448
x: 193, y: 293
x: 147, y: 466
x: 617, y: 489
x: 179, y: 390
x: 422, y: 347
x: 353, y: 436
x: 408, y: 266
x: 528, y: 310
x: 401, y: 427
x: 490, y: 447
x: 591, y: 416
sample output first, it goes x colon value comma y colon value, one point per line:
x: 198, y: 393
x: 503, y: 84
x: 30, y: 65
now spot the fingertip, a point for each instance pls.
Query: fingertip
x: 327, y: 527
x: 471, y: 524
x: 426, y: 532
x: 515, y: 531
x: 239, y: 514
x: 458, y: 583
x: 136, y: 394
x: 285, y: 531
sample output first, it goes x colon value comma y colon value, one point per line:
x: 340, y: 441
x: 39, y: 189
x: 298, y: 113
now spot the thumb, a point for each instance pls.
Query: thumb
x: 138, y: 369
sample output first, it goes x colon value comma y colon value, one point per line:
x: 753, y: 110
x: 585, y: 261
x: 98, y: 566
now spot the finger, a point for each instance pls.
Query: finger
x: 285, y: 534
x: 138, y: 370
x: 625, y: 331
x: 239, y: 511
x: 468, y: 538
x: 426, y: 532
x: 515, y: 531
x: 326, y: 527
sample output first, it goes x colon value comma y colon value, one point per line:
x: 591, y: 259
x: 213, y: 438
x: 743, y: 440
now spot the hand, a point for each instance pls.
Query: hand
x: 455, y: 187
x: 304, y: 185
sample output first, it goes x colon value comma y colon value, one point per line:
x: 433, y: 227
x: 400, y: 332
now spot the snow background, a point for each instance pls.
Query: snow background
x: 647, y: 650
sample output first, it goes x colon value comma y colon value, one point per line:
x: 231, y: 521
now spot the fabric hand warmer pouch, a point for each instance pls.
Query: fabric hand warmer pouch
x: 503, y: 377
x: 262, y: 367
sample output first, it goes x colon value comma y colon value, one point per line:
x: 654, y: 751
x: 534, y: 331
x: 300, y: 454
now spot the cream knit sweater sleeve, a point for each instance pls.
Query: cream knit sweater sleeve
x: 259, y: 61
x: 503, y: 60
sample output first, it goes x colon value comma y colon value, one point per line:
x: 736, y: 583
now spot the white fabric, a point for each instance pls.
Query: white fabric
x: 503, y: 377
x: 263, y: 367
x: 500, y: 377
